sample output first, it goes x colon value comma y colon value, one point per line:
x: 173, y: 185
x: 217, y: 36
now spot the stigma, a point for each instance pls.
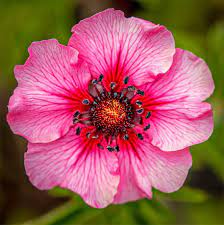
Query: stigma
x: 111, y: 113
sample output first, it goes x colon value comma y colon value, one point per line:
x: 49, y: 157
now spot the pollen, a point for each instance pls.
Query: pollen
x: 111, y: 116
x: 113, y: 112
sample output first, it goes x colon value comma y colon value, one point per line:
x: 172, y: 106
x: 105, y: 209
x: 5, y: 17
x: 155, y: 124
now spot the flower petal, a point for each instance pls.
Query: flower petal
x: 188, y: 79
x: 152, y: 167
x: 166, y: 171
x: 177, y: 128
x: 48, y: 92
x: 179, y: 118
x: 128, y: 189
x: 116, y: 46
x: 72, y: 162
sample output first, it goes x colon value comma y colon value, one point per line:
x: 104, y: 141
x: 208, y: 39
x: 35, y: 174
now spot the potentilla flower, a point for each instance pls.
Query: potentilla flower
x: 111, y: 115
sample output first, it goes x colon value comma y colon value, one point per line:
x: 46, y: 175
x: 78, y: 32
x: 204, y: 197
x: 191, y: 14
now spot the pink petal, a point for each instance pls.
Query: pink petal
x: 72, y: 162
x: 47, y: 95
x: 151, y: 167
x: 179, y: 119
x: 176, y: 128
x: 116, y: 46
x: 166, y: 171
x: 128, y: 189
x: 189, y: 78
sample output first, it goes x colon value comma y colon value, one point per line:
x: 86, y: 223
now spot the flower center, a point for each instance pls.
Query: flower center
x: 112, y: 113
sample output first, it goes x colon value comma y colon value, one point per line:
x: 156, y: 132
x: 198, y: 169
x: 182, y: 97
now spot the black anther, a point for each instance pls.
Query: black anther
x: 100, y: 78
x: 110, y: 149
x: 116, y: 148
x: 76, y: 114
x: 140, y: 111
x: 94, y: 81
x: 126, y: 137
x: 140, y: 136
x: 131, y: 88
x: 148, y: 115
x: 147, y: 127
x: 126, y: 80
x: 140, y: 92
x: 78, y: 131
x: 85, y: 102
x: 112, y: 85
x: 138, y: 102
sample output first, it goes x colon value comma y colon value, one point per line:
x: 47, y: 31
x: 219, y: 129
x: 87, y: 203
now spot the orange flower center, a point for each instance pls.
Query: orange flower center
x: 110, y: 116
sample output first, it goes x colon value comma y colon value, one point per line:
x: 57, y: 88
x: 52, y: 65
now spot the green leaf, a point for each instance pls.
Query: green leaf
x: 185, y: 194
x: 60, y: 192
x: 59, y: 215
x: 155, y: 212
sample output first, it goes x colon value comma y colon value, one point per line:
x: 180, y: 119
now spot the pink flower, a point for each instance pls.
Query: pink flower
x: 112, y: 114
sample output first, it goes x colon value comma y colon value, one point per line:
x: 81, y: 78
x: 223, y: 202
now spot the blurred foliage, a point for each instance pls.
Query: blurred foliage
x: 155, y: 211
x: 198, y: 26
x: 26, y: 21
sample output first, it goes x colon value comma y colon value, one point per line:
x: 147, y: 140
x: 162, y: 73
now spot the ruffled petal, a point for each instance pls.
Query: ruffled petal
x: 51, y: 86
x: 116, y: 46
x: 177, y: 128
x: 165, y: 171
x: 128, y: 189
x: 178, y: 117
x: 188, y: 79
x: 77, y: 164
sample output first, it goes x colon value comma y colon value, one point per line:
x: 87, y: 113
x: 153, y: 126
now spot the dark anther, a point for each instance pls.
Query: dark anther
x: 100, y: 78
x: 85, y: 102
x: 140, y: 136
x: 129, y: 117
x: 99, y: 146
x: 125, y: 100
x: 131, y: 88
x: 138, y: 102
x: 139, y: 111
x: 116, y: 148
x: 95, y: 103
x: 147, y: 127
x: 76, y: 114
x: 78, y: 131
x: 126, y: 80
x: 110, y: 149
x: 115, y: 94
x: 126, y: 137
x: 99, y: 128
x: 112, y: 85
x: 140, y: 92
x: 88, y: 134
x: 148, y: 115
x: 121, y: 95
x: 94, y: 81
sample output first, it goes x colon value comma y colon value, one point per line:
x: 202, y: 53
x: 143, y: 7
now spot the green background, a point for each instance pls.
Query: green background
x: 198, y: 26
